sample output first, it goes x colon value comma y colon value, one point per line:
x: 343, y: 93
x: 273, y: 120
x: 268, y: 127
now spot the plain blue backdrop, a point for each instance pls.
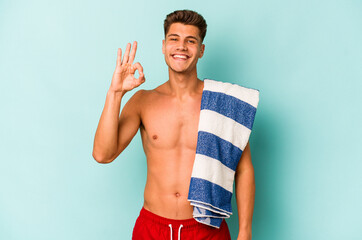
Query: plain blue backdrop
x: 56, y: 63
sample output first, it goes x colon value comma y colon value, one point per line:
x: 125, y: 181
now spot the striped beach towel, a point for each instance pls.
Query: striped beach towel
x: 226, y: 119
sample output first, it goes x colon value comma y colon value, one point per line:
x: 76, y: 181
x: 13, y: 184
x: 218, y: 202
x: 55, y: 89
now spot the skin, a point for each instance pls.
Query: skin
x: 167, y: 117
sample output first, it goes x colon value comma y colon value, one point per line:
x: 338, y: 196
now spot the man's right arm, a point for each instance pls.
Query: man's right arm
x: 115, y: 132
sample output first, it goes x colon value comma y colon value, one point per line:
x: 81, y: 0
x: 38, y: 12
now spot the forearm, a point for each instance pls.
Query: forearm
x: 245, y: 196
x: 106, y: 137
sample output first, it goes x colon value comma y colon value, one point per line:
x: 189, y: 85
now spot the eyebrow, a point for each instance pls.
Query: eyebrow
x: 176, y: 35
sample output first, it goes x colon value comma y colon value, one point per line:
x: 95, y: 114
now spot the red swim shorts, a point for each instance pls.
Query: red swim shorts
x: 151, y: 226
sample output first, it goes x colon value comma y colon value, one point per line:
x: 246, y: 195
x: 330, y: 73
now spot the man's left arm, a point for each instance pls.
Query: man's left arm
x: 245, y: 193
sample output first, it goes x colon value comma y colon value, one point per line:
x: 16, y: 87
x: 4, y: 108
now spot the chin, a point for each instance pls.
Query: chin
x: 179, y: 70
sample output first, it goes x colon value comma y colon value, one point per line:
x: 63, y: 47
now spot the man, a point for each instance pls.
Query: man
x: 167, y: 117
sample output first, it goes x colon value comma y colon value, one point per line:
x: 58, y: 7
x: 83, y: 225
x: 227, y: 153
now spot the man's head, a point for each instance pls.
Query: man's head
x: 184, y: 33
x: 186, y: 17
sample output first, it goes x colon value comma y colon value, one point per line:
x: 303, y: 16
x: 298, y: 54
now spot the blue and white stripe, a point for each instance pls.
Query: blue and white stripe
x: 226, y: 119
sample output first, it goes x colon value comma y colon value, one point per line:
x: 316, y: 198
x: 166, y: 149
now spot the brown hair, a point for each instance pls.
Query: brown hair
x: 186, y: 17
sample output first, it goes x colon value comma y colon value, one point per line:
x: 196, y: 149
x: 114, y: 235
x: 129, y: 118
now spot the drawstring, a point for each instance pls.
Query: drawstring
x: 170, y: 230
x: 179, y: 231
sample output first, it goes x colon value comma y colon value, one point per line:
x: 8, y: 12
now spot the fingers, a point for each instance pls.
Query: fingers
x: 133, y: 52
x: 126, y: 54
x: 141, y: 77
x: 139, y: 67
x: 129, y: 57
x: 119, y: 56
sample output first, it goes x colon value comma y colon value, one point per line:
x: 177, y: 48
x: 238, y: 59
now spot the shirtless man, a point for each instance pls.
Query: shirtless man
x: 167, y: 117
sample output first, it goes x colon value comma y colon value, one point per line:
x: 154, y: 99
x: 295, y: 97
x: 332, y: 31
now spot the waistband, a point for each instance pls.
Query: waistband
x: 187, y: 223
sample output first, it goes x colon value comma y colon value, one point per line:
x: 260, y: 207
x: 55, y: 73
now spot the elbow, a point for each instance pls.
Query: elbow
x: 101, y: 158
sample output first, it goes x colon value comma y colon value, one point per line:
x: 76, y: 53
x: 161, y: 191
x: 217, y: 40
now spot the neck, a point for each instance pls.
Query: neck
x: 184, y: 84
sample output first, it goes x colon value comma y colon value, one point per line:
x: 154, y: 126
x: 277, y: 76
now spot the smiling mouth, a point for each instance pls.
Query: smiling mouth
x: 180, y: 56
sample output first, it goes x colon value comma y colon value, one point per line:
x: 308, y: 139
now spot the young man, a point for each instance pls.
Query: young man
x: 168, y: 117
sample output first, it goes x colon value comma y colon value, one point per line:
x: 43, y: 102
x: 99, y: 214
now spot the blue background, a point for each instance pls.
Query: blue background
x: 56, y: 63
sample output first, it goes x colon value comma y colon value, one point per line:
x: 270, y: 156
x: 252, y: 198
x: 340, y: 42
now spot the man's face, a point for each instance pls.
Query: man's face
x: 182, y: 47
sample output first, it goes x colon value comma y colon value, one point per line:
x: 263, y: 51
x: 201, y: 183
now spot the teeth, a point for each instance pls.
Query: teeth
x: 180, y: 56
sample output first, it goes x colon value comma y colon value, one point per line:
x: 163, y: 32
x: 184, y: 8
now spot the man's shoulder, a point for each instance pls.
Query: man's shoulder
x: 143, y: 95
x: 245, y: 94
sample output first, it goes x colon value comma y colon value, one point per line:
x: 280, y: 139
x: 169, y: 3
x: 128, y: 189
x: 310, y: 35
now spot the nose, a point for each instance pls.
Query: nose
x: 181, y: 46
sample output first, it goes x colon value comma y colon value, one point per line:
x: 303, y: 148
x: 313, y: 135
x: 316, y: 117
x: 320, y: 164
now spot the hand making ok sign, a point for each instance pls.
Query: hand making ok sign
x: 123, y: 79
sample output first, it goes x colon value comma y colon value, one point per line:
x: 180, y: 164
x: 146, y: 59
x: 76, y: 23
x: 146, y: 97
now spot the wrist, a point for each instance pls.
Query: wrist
x: 116, y: 93
x: 244, y: 236
x: 244, y: 233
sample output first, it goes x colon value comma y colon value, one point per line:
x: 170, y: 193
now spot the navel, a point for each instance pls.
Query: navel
x: 177, y: 194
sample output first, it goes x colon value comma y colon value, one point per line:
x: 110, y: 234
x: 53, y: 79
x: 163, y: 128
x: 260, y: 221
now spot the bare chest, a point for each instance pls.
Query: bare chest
x: 170, y: 124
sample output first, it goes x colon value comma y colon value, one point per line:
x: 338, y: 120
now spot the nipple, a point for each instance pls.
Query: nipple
x: 154, y: 137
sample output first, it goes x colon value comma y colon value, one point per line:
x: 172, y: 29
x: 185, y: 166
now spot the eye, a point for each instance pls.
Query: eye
x: 173, y: 39
x: 192, y: 41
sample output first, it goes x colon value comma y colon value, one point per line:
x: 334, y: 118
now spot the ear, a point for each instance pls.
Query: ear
x: 163, y: 46
x: 202, y: 49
